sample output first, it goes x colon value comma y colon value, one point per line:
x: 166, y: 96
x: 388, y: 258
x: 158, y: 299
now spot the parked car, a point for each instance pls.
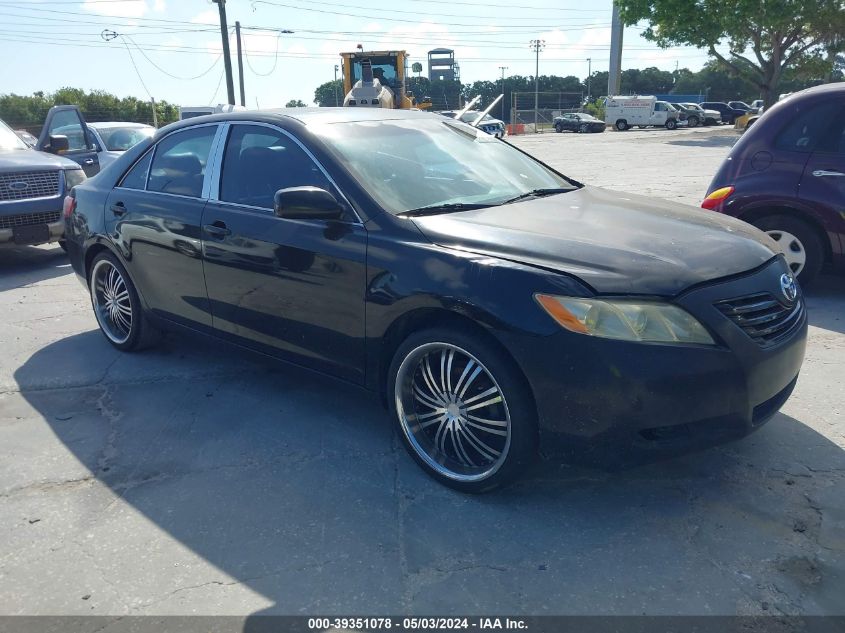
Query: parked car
x: 643, y: 111
x: 494, y: 303
x: 740, y: 105
x: 786, y: 176
x: 707, y: 117
x: 32, y: 188
x: 693, y: 116
x: 488, y: 124
x: 112, y: 138
x: 578, y: 122
x: 727, y: 113
x: 757, y: 105
x: 748, y: 119
x: 27, y: 138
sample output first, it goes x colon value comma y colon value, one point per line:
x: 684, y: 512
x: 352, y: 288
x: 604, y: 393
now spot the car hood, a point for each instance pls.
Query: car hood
x: 615, y: 242
x: 30, y: 159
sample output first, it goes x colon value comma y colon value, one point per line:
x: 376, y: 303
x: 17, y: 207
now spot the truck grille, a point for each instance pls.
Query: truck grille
x: 27, y: 219
x: 26, y: 185
x: 765, y: 319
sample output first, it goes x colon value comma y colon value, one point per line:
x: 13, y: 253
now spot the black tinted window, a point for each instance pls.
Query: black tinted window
x: 136, y: 178
x: 833, y: 140
x: 807, y: 128
x: 180, y: 160
x: 259, y: 161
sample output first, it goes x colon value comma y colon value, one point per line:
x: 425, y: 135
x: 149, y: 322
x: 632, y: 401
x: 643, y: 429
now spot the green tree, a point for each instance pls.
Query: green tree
x: 764, y: 37
x: 295, y: 103
x: 417, y: 68
x: 329, y: 94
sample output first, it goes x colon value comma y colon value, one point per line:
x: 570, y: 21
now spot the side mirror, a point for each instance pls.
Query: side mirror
x: 58, y: 144
x: 306, y: 203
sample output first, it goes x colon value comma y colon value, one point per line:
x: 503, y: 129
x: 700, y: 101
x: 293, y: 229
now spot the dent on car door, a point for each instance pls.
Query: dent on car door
x: 154, y: 216
x: 65, y: 133
x: 290, y: 287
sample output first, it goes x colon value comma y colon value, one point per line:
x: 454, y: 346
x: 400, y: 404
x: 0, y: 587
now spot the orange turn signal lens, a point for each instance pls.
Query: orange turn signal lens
x: 717, y: 197
x: 560, y: 314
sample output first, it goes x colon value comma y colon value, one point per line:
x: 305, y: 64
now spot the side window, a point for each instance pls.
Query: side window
x: 67, y: 123
x: 833, y: 141
x: 807, y: 129
x: 136, y: 178
x: 180, y: 161
x: 259, y: 161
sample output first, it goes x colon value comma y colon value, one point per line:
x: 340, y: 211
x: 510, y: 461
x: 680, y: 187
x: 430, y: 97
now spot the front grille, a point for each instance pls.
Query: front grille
x: 765, y: 319
x: 27, y: 219
x: 39, y: 184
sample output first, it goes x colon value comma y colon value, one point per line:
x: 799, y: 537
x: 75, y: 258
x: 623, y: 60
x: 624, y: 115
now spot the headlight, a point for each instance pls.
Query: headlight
x: 643, y: 321
x: 74, y: 177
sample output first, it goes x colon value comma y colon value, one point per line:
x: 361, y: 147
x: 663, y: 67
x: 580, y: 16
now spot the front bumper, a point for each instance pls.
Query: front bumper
x: 32, y: 212
x: 593, y: 390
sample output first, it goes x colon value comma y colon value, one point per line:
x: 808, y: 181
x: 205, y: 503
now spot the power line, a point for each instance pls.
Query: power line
x: 275, y: 59
x: 171, y: 75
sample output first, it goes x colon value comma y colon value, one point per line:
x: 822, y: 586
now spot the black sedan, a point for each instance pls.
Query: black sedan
x: 495, y: 304
x: 578, y: 122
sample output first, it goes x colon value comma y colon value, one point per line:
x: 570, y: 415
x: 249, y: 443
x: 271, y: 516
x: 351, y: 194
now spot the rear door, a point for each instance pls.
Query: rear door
x: 823, y: 181
x: 67, y: 121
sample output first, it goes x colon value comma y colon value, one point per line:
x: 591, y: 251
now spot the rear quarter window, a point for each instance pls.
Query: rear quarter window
x: 808, y: 128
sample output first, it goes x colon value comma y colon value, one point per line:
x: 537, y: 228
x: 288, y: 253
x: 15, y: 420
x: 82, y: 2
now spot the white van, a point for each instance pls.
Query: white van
x: 189, y: 112
x: 643, y: 111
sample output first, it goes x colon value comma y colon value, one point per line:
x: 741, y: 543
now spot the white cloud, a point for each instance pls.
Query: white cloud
x: 159, y: 6
x: 209, y: 16
x: 122, y: 9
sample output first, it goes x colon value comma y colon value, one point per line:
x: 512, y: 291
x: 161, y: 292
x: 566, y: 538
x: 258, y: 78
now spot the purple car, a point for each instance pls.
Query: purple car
x: 786, y: 176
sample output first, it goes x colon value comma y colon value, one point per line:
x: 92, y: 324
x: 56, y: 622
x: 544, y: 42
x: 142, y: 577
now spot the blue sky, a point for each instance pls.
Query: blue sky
x: 176, y: 45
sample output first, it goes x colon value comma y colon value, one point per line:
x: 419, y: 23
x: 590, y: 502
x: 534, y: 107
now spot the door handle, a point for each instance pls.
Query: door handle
x: 118, y: 208
x: 820, y: 173
x: 217, y: 229
x: 89, y: 161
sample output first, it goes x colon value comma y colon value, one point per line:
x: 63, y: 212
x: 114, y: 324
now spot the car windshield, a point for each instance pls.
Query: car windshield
x: 470, y: 117
x: 421, y: 162
x: 9, y: 140
x: 120, y: 139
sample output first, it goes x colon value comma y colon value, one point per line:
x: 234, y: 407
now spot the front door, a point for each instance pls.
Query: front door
x: 293, y: 288
x: 68, y: 121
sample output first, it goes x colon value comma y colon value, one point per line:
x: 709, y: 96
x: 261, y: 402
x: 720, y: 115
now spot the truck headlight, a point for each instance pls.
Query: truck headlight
x: 73, y: 177
x: 627, y: 320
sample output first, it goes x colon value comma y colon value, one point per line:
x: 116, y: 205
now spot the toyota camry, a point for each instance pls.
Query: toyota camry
x: 498, y: 307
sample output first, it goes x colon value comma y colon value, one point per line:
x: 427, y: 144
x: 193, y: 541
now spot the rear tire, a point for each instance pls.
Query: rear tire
x: 117, y: 306
x: 621, y: 125
x: 462, y: 409
x: 799, y: 242
x: 583, y: 128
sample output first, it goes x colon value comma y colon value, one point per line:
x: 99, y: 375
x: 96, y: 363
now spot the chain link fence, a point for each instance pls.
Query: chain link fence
x: 526, y: 119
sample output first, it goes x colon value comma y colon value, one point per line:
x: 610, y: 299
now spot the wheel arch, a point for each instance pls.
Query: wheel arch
x: 754, y: 214
x: 424, y: 318
x: 103, y: 246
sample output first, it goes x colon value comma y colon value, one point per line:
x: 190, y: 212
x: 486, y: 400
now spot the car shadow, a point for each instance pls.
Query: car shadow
x: 296, y: 487
x: 24, y: 265
x: 720, y: 140
x: 825, y: 299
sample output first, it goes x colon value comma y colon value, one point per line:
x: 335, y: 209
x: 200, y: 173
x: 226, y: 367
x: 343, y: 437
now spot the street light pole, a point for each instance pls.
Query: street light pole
x: 336, y: 101
x: 537, y: 45
x: 227, y: 56
x: 589, y: 77
x: 503, y: 69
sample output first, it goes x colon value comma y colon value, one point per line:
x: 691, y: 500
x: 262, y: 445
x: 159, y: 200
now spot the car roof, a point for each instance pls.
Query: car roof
x: 107, y: 124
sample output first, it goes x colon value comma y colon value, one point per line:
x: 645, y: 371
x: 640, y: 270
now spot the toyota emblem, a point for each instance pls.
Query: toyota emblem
x: 788, y: 287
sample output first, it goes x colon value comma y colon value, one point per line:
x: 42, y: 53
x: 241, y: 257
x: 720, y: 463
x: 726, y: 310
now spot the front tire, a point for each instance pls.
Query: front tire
x: 671, y: 124
x: 117, y: 306
x: 462, y: 409
x: 621, y: 125
x: 583, y: 128
x: 693, y: 121
x: 558, y: 128
x: 799, y: 243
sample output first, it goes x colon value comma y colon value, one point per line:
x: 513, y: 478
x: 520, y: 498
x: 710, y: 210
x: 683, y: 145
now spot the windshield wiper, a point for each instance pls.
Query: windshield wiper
x: 449, y: 207
x: 537, y: 193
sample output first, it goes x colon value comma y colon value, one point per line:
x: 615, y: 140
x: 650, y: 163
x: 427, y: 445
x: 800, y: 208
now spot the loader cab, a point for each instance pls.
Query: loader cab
x: 387, y: 66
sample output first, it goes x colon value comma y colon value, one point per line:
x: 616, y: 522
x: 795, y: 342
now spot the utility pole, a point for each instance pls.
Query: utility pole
x: 336, y: 100
x: 614, y: 77
x: 155, y: 116
x: 589, y: 77
x: 537, y: 45
x: 227, y: 56
x: 240, y: 63
x: 503, y: 69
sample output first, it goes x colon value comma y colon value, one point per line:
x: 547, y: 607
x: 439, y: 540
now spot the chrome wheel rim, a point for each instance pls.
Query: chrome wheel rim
x: 792, y: 249
x: 453, y: 412
x: 111, y: 300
